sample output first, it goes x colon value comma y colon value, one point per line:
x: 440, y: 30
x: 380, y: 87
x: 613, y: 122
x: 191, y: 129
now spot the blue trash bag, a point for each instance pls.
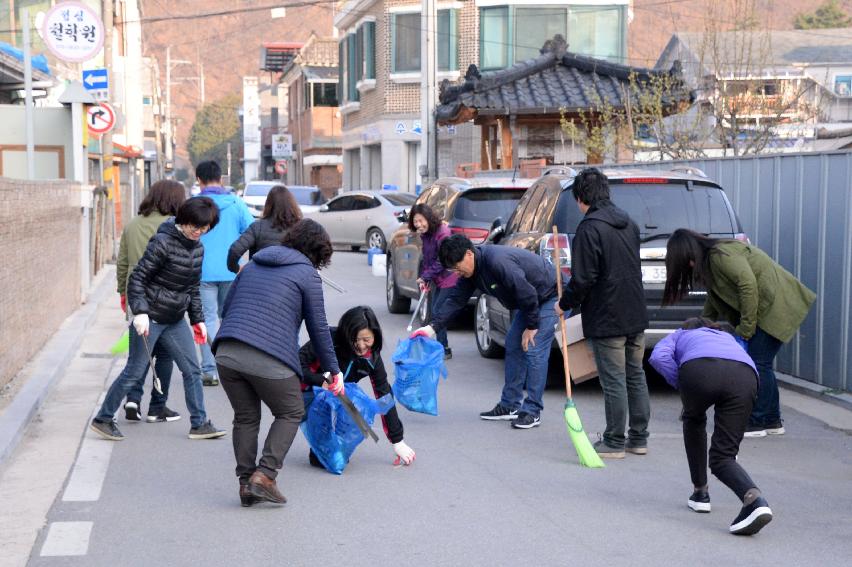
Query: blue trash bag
x: 418, y: 365
x: 331, y: 431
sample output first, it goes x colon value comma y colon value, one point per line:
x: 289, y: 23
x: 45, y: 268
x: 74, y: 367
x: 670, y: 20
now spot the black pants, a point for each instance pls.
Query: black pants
x: 283, y: 396
x: 730, y: 387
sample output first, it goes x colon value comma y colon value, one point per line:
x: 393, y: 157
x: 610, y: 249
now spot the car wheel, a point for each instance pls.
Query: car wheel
x: 486, y: 345
x: 396, y: 302
x: 375, y: 239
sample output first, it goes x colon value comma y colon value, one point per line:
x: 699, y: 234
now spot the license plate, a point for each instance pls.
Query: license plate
x: 653, y: 274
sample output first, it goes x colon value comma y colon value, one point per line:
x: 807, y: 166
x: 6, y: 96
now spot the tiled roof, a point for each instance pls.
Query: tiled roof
x: 553, y: 81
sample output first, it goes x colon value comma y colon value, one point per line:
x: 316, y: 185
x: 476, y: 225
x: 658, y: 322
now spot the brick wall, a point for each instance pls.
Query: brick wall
x: 40, y: 279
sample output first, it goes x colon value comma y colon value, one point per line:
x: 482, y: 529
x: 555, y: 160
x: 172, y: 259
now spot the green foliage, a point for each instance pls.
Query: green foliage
x: 828, y: 15
x: 215, y: 125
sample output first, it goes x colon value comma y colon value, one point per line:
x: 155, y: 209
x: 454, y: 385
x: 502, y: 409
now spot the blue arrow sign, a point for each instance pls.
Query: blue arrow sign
x: 95, y: 79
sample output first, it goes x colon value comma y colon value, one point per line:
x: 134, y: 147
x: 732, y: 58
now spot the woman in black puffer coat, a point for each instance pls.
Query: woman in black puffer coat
x: 280, y: 212
x: 162, y: 289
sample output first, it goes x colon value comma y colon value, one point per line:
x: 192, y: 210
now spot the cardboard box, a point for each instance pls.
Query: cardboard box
x: 581, y: 361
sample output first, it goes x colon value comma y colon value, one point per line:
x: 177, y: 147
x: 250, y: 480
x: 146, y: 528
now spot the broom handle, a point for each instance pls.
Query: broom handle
x: 564, y: 347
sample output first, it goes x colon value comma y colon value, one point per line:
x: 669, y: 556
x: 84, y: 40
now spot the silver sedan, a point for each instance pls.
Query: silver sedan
x: 364, y: 218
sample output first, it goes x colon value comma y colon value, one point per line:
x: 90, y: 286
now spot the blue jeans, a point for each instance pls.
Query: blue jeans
x: 762, y: 348
x: 622, y: 378
x: 212, y: 299
x: 528, y: 370
x: 439, y: 296
x: 163, y: 365
x: 176, y: 339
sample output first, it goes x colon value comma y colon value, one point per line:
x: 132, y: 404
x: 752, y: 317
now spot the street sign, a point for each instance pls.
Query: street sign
x: 281, y: 167
x: 100, y: 118
x: 95, y: 79
x: 416, y: 127
x: 73, y: 31
x: 282, y: 145
x: 400, y: 128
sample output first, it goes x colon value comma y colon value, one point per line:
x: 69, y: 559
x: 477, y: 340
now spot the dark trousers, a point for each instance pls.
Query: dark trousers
x: 763, y: 348
x: 163, y: 364
x: 283, y: 396
x: 730, y: 387
x: 439, y: 296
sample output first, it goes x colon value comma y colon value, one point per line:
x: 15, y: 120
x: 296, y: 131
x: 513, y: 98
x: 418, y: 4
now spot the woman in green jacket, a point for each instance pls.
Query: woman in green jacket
x: 162, y: 201
x: 745, y: 287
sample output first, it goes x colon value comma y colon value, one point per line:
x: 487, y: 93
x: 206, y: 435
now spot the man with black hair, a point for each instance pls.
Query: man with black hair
x: 524, y: 283
x: 216, y: 278
x: 606, y: 282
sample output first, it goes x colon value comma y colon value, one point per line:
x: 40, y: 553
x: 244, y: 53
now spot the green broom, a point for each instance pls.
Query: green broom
x: 586, y: 453
x: 122, y: 345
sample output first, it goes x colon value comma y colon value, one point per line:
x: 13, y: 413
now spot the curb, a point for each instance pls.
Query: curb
x: 49, y: 365
x: 834, y: 397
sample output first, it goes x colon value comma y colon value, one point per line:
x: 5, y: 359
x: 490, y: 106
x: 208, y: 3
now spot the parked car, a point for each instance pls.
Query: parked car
x: 658, y: 201
x: 255, y: 192
x: 363, y: 218
x: 469, y: 207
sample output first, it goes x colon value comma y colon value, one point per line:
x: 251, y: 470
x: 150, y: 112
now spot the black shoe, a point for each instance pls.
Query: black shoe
x: 776, y: 428
x: 206, y: 431
x: 448, y: 353
x: 314, y: 460
x: 752, y: 518
x: 604, y: 451
x: 755, y: 431
x: 699, y: 501
x: 106, y: 429
x: 246, y: 497
x: 165, y: 414
x: 209, y: 380
x: 636, y: 449
x: 131, y: 411
x: 526, y: 421
x: 499, y: 413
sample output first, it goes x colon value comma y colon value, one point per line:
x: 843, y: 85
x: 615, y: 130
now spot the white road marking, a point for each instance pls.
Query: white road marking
x: 90, y: 469
x: 66, y: 539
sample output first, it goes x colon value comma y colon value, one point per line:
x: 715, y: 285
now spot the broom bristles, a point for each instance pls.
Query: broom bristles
x: 122, y: 345
x: 585, y: 451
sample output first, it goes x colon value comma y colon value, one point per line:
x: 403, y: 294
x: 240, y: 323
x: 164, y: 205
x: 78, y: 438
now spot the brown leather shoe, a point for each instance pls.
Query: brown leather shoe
x: 246, y: 497
x: 265, y: 488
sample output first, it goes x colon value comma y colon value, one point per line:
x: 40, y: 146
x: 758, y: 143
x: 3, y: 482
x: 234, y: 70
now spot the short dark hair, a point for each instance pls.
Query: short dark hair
x: 208, y: 172
x: 353, y: 322
x: 281, y: 208
x: 591, y: 186
x: 165, y: 196
x: 198, y: 212
x: 453, y: 249
x: 310, y: 238
x: 428, y: 213
x: 702, y: 322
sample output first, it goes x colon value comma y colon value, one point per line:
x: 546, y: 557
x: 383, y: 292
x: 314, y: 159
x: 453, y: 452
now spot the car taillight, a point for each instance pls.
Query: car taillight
x: 476, y: 235
x: 742, y: 237
x: 546, y: 247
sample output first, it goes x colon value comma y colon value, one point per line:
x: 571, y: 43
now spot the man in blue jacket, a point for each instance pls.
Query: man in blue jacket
x: 216, y: 278
x: 525, y: 284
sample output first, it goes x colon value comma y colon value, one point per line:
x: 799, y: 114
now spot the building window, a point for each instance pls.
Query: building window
x: 324, y: 94
x: 494, y: 43
x: 447, y: 39
x: 353, y: 73
x: 369, y: 50
x: 405, y: 32
x: 596, y: 32
x: 534, y: 26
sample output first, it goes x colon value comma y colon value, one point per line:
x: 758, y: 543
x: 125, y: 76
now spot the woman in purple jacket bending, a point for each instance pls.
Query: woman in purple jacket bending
x: 710, y: 368
x: 433, y: 276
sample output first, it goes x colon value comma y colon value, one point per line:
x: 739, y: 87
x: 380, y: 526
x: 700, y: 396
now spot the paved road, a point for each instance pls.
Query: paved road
x: 480, y: 493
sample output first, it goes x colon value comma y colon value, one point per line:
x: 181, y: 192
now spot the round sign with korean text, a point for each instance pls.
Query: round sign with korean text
x: 73, y: 31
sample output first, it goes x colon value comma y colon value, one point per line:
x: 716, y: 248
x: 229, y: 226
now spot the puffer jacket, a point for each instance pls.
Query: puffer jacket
x: 259, y: 235
x: 431, y: 268
x: 164, y: 285
x: 606, y: 274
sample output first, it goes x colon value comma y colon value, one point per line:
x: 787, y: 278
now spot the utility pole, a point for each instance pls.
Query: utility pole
x: 170, y: 64
x: 106, y: 139
x: 428, y: 141
x: 28, y: 96
x: 201, y: 80
x: 229, y: 164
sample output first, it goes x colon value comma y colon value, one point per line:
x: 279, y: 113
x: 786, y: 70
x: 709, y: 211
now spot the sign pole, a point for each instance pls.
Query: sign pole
x: 28, y: 96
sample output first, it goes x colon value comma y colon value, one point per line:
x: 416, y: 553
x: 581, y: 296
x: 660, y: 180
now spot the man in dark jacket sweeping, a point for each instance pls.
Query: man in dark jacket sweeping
x: 524, y: 283
x: 606, y: 282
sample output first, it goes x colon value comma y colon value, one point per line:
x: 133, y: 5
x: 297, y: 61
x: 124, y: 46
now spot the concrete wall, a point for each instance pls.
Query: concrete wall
x: 40, y: 280
x: 52, y: 128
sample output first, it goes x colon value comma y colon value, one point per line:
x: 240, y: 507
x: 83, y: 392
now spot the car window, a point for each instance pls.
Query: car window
x: 400, y: 199
x: 425, y: 195
x: 525, y: 223
x: 363, y: 202
x: 543, y: 221
x: 486, y: 205
x: 305, y: 195
x: 257, y: 189
x: 520, y: 210
x: 345, y: 203
x: 438, y: 201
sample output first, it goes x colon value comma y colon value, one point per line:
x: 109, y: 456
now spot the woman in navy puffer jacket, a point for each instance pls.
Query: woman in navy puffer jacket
x: 257, y: 350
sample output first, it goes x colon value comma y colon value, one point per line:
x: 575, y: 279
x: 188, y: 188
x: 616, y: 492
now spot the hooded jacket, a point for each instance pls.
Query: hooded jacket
x: 606, y: 274
x: 431, y: 268
x: 267, y: 303
x: 234, y: 219
x: 164, y: 284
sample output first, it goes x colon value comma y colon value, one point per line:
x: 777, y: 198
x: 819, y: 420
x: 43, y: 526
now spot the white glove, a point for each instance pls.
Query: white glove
x: 335, y: 386
x: 141, y: 324
x: 426, y: 331
x: 404, y: 454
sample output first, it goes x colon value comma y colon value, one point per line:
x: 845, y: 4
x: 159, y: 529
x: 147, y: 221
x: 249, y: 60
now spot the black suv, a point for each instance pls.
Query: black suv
x: 469, y: 206
x: 658, y: 201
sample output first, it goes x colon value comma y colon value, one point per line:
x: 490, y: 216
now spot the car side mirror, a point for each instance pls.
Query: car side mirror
x: 496, y: 234
x: 403, y: 216
x: 323, y: 209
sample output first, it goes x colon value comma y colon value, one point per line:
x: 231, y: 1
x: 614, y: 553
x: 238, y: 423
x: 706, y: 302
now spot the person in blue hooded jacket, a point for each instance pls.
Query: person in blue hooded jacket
x: 216, y: 278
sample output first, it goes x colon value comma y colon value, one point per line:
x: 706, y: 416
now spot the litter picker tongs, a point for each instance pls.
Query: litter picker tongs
x: 416, y: 310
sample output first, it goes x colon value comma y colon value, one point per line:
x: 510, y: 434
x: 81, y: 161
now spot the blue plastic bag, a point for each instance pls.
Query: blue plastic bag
x: 418, y: 365
x: 330, y: 430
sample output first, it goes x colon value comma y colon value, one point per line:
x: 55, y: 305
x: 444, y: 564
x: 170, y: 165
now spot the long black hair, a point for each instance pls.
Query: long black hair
x: 701, y: 322
x: 353, y: 322
x: 281, y: 208
x: 687, y: 263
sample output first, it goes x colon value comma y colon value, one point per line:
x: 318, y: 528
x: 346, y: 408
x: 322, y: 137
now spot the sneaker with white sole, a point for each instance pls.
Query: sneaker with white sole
x: 526, y: 421
x: 106, y: 429
x: 604, y: 451
x: 752, y: 518
x: 699, y: 501
x: 163, y: 415
x: 131, y: 412
x: 499, y: 413
x: 209, y: 380
x: 753, y: 431
x: 206, y: 431
x: 776, y: 428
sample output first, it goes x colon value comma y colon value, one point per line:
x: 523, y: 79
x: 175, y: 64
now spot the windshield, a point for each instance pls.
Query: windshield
x: 485, y: 206
x: 258, y: 189
x: 400, y: 199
